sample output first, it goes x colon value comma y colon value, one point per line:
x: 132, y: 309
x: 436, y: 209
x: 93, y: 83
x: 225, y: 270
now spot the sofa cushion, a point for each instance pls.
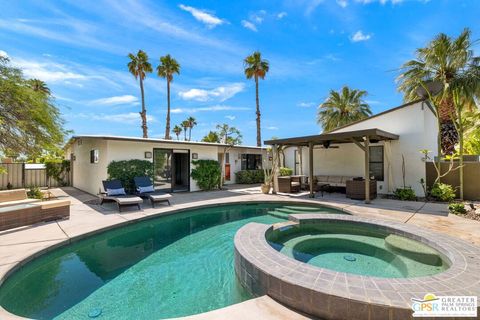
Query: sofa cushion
x: 13, y: 195
x: 17, y: 202
x: 322, y: 179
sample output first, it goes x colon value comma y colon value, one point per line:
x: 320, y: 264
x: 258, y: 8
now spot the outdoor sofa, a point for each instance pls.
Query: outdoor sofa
x: 288, y: 184
x: 114, y: 191
x: 145, y: 189
x: 16, y: 210
x: 15, y: 197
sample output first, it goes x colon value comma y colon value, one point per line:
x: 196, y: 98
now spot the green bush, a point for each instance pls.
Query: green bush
x: 405, y: 194
x: 457, y: 208
x: 126, y: 170
x: 443, y: 192
x: 285, y: 171
x: 57, y: 169
x: 249, y: 176
x: 34, y: 193
x: 207, y: 174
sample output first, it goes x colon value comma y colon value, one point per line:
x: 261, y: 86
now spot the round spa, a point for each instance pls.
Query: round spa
x: 348, y: 267
x: 357, y: 248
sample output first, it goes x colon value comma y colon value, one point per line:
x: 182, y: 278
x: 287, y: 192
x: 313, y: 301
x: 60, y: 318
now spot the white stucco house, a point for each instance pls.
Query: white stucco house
x: 403, y: 132
x: 172, y: 159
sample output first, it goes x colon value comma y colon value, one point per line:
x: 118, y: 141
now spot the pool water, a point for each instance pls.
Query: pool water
x: 171, y: 266
x: 358, y: 249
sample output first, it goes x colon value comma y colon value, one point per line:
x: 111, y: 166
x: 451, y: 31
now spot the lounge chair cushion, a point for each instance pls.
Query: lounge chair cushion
x: 160, y: 197
x: 116, y: 192
x: 146, y: 189
x: 128, y: 200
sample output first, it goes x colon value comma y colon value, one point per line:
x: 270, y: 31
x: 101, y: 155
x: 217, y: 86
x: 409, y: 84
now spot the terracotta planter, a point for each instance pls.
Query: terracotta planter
x: 265, y: 188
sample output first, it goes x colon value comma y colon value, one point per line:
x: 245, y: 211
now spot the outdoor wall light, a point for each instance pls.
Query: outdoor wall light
x: 148, y: 155
x: 194, y: 156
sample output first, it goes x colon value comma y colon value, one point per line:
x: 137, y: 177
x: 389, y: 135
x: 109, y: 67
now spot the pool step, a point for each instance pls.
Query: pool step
x: 278, y: 214
x: 413, y: 249
x: 303, y: 209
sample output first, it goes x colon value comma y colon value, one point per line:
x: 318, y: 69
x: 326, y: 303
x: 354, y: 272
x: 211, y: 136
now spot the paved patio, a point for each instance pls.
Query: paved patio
x: 87, y: 217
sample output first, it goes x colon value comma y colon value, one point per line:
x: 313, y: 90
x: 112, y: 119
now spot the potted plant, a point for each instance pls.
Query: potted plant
x: 267, y: 184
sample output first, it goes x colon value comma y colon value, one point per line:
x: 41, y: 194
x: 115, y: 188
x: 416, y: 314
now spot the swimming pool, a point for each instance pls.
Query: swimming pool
x: 170, y: 266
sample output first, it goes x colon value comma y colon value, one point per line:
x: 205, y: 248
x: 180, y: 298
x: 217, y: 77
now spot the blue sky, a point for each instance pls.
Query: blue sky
x: 80, y: 49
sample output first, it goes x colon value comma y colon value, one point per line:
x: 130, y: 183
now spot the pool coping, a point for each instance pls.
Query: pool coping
x: 330, y: 294
x: 4, y: 314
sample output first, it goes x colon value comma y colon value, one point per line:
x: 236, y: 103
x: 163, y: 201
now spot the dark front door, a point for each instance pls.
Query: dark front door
x: 181, y: 170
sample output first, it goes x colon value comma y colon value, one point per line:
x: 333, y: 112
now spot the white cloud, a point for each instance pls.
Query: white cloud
x: 249, y: 25
x: 208, y: 109
x: 231, y: 118
x: 360, y: 36
x: 342, y: 3
x: 306, y: 104
x: 124, y: 118
x: 221, y: 93
x: 48, y: 71
x: 203, y: 16
x: 281, y: 15
x: 116, y: 100
x: 3, y: 54
x: 383, y: 1
x: 271, y: 128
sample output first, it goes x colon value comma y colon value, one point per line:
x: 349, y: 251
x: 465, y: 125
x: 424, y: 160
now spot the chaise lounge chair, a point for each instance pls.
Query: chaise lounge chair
x: 145, y: 189
x: 114, y: 191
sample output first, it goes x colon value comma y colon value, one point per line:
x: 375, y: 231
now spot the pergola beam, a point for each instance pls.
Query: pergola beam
x: 310, y: 169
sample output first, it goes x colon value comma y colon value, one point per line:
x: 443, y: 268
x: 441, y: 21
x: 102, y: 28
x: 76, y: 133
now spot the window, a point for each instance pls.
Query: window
x: 376, y: 162
x: 251, y: 161
x: 93, y: 156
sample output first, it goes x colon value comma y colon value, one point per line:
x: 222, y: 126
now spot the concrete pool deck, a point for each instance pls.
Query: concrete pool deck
x: 88, y: 217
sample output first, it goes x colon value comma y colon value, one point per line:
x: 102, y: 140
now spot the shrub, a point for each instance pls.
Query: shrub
x: 34, y: 193
x: 405, y: 194
x: 57, y: 169
x: 126, y: 170
x: 250, y: 176
x: 443, y: 192
x: 285, y: 171
x: 457, y: 208
x: 207, y: 174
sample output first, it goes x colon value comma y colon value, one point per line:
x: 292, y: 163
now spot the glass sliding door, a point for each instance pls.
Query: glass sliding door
x: 162, y: 169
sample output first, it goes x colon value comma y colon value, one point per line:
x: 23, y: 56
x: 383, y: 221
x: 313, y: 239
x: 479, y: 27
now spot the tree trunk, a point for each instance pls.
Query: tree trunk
x: 167, y: 125
x: 447, y: 113
x: 259, y: 134
x: 189, y: 133
x: 460, y: 137
x: 185, y: 133
x: 143, y: 114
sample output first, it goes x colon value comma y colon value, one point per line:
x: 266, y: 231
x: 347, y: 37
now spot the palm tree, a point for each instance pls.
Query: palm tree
x: 256, y: 68
x: 167, y: 68
x: 39, y: 86
x: 185, y: 125
x: 139, y: 67
x: 451, y: 63
x: 177, y: 130
x: 212, y: 136
x: 343, y: 107
x: 192, y: 122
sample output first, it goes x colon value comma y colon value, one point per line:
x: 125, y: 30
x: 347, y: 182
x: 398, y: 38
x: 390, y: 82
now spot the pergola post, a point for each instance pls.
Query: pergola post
x: 310, y: 169
x: 275, y: 168
x: 367, y: 169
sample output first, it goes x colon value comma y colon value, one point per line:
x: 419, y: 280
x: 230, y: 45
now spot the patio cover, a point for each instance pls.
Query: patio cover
x: 361, y: 138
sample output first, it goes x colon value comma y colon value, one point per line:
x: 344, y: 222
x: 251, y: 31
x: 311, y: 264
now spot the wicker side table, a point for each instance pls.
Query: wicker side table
x: 356, y: 189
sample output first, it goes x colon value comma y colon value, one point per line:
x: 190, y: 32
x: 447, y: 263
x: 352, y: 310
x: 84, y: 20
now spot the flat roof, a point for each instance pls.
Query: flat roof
x: 154, y: 140
x: 336, y: 138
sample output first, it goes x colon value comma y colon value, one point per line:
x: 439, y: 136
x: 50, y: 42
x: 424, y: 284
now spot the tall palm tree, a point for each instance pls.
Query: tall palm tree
x: 451, y: 63
x: 167, y: 68
x: 343, y: 107
x: 256, y: 68
x: 39, y: 86
x: 185, y: 125
x: 177, y: 130
x: 139, y: 67
x: 192, y: 122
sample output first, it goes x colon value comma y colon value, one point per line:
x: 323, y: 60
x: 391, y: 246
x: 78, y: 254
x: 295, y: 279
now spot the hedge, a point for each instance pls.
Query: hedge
x: 249, y: 176
x: 207, y: 174
x: 126, y: 170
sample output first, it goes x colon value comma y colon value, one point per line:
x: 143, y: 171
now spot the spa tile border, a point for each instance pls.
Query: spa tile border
x: 330, y: 294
